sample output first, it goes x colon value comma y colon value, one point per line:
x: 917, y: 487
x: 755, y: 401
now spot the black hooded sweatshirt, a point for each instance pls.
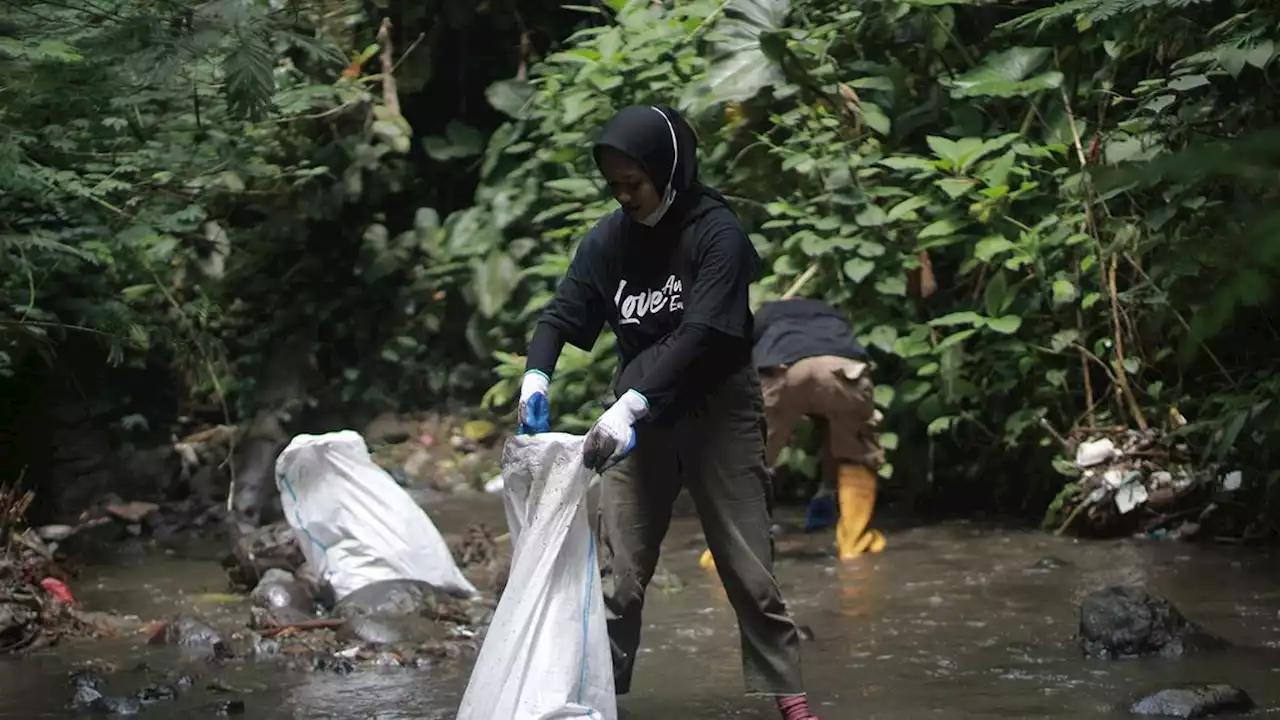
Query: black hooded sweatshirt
x: 675, y: 295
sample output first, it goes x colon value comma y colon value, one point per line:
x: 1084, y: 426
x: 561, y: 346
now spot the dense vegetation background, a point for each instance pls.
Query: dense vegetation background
x: 1049, y: 222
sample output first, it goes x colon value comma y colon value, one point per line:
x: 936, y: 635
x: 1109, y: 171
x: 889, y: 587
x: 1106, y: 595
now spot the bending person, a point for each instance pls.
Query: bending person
x: 811, y: 363
x: 669, y: 273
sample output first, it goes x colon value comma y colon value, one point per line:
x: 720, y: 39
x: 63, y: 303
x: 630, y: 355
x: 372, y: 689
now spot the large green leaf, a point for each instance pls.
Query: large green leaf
x: 460, y: 141
x: 510, y: 96
x: 493, y: 280
x: 1007, y: 74
x: 740, y: 66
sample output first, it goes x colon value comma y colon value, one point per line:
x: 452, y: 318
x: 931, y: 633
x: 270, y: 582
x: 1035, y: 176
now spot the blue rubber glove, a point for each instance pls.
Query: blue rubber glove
x: 613, y: 436
x: 534, y: 412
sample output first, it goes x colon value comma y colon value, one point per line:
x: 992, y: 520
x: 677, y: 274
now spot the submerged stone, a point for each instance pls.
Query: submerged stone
x: 156, y: 693
x: 228, y: 707
x: 1193, y: 701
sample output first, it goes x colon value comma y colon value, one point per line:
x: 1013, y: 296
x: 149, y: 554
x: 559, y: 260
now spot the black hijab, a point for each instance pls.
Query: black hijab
x: 663, y: 144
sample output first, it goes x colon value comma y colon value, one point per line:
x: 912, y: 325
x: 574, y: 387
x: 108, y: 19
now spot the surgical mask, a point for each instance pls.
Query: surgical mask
x: 669, y: 196
x: 660, y: 212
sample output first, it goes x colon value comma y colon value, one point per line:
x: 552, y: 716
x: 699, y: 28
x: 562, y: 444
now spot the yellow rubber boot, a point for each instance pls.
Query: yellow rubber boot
x: 706, y: 561
x: 857, y: 495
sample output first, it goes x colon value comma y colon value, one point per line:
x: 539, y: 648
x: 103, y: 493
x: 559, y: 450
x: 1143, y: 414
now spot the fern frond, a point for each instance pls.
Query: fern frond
x: 248, y: 69
x: 1093, y: 11
x: 36, y: 242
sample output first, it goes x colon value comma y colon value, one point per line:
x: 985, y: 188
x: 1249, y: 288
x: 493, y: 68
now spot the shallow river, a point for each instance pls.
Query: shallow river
x: 950, y: 622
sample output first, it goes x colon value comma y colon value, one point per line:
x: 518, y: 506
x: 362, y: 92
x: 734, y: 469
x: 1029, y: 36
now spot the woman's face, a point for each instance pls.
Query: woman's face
x: 630, y: 185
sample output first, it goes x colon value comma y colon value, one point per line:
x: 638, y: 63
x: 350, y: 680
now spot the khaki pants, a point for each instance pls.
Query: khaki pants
x: 717, y: 452
x: 837, y: 389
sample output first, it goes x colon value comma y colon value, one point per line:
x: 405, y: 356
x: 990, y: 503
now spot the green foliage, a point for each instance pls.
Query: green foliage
x: 227, y: 188
x: 1053, y: 196
x: 1029, y: 222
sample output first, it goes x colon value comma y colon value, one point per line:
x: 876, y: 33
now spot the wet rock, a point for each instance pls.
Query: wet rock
x: 369, y: 631
x: 260, y: 550
x: 267, y: 619
x: 1124, y: 622
x: 1046, y: 564
x: 87, y: 687
x: 282, y: 599
x: 1194, y: 701
x: 152, y: 694
x: 228, y: 707
x: 193, y: 634
x: 85, y: 697
x: 391, y: 630
x: 17, y: 624
x: 86, y: 678
x: 329, y: 663
x: 388, y: 659
x: 116, y: 706
x: 391, y: 598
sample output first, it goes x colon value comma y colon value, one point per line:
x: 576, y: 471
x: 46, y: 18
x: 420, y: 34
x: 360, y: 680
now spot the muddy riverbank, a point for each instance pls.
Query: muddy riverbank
x: 954, y: 620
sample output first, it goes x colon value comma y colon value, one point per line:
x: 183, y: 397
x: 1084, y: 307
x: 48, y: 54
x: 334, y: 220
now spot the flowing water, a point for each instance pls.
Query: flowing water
x: 952, y: 621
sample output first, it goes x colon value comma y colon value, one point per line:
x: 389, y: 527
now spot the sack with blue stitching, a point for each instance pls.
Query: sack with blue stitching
x: 356, y: 526
x: 546, y: 654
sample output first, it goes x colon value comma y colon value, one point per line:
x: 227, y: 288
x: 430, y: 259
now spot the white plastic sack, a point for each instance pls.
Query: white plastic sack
x: 356, y: 526
x: 546, y: 654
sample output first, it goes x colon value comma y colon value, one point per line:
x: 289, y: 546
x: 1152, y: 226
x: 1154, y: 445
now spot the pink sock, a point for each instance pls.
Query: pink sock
x: 795, y: 707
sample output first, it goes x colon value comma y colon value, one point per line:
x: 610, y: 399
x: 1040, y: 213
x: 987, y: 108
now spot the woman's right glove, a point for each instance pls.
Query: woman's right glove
x: 534, y: 412
x: 613, y: 436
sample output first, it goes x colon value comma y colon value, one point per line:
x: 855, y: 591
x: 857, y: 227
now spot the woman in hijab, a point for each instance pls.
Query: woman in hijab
x: 669, y: 272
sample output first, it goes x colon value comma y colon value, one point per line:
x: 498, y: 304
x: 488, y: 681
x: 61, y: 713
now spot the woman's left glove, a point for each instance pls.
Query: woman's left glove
x: 613, y: 434
x: 533, y: 415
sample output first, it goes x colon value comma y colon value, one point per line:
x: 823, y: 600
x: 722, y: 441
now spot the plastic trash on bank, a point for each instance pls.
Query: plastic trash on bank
x: 546, y: 653
x: 356, y: 526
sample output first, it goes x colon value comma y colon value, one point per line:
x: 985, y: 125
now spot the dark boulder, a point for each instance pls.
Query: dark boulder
x: 1194, y: 701
x: 1125, y: 622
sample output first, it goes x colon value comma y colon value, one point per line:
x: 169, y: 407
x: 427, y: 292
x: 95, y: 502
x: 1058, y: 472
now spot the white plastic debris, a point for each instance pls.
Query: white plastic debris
x: 1113, y: 478
x: 356, y: 526
x: 494, y: 485
x: 1232, y: 481
x: 1129, y: 496
x: 1095, y: 452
